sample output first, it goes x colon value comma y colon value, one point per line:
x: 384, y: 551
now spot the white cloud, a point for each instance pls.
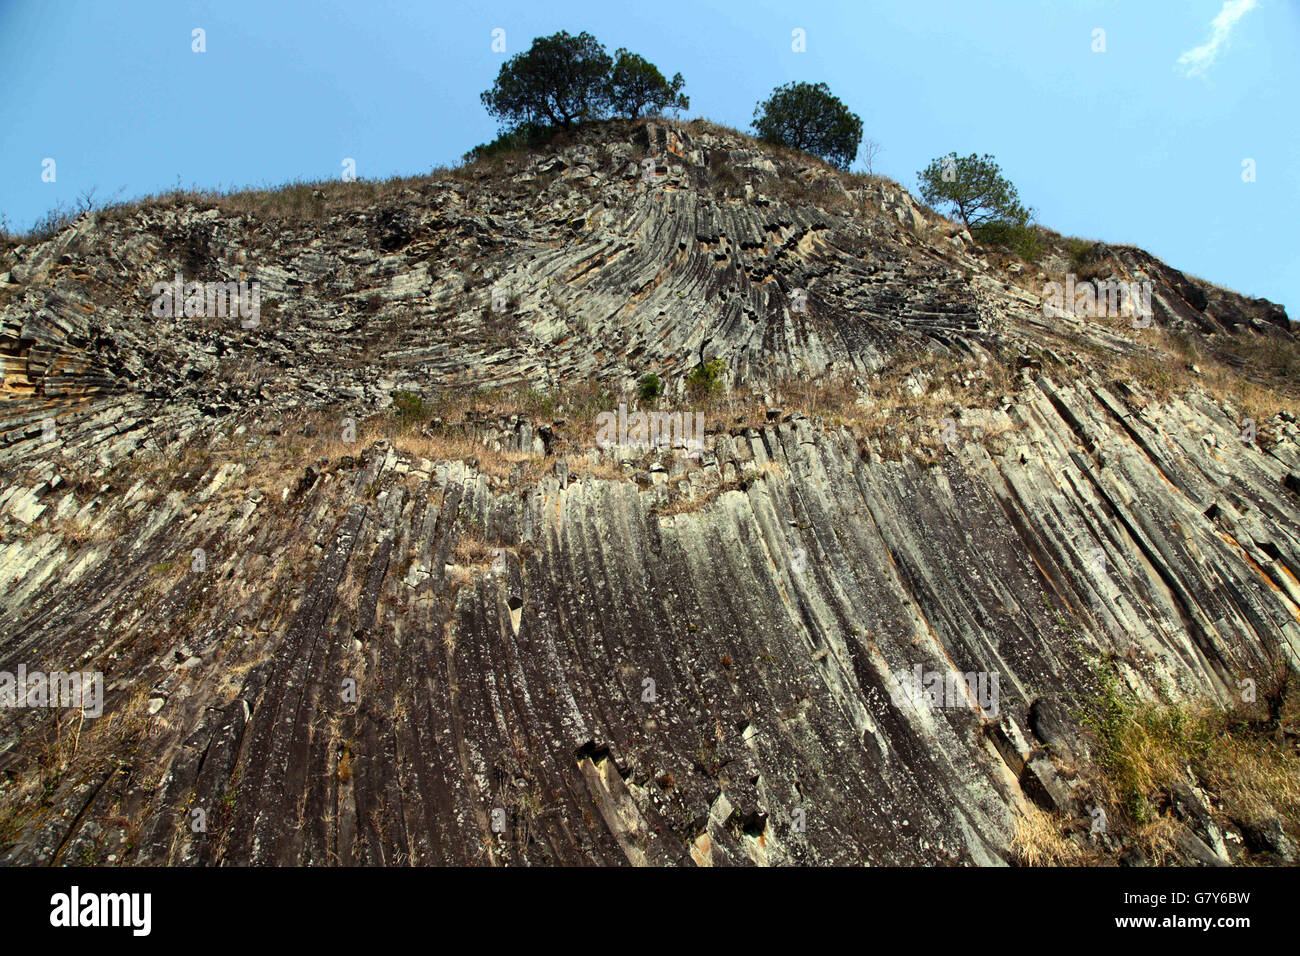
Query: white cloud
x: 1198, y: 59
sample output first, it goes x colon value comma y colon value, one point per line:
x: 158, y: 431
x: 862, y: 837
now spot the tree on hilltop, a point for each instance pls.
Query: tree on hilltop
x: 562, y: 79
x: 559, y: 80
x: 808, y: 117
x: 636, y: 84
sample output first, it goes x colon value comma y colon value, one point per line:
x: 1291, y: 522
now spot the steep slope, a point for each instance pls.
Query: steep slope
x: 470, y: 634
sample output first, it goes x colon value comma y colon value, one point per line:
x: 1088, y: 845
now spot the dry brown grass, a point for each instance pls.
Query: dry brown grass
x: 680, y: 506
x: 587, y: 466
x: 1240, y: 755
x: 811, y: 190
x: 1039, y: 839
x: 69, y: 738
x: 345, y: 763
x: 471, y: 551
x: 450, y: 446
x: 348, y: 594
x: 906, y: 406
x: 458, y: 576
x: 302, y: 201
x: 100, y: 528
x: 319, y: 200
x: 1165, y: 370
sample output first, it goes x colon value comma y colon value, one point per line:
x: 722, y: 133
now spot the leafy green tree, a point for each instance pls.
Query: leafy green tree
x: 559, y: 80
x: 974, y: 188
x: 636, y: 84
x: 807, y: 116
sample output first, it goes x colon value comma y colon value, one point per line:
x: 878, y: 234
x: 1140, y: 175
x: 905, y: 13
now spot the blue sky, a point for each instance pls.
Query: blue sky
x: 1142, y: 143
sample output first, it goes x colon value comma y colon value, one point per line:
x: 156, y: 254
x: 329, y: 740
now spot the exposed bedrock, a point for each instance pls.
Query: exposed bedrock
x: 371, y: 657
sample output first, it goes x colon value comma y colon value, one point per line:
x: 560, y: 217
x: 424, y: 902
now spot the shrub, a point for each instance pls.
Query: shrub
x: 725, y: 183
x: 410, y: 408
x: 1087, y: 259
x: 706, y: 379
x: 1022, y: 238
x: 522, y: 137
x: 651, y: 387
x: 52, y: 223
x: 1111, y: 718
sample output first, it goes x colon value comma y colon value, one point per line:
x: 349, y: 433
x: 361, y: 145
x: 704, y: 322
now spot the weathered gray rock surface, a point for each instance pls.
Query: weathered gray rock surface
x: 659, y: 660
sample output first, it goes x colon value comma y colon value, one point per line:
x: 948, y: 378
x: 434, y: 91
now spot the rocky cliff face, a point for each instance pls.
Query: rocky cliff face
x: 474, y: 635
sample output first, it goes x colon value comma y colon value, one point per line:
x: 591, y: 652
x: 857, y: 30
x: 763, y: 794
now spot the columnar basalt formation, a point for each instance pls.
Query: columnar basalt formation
x: 326, y: 651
